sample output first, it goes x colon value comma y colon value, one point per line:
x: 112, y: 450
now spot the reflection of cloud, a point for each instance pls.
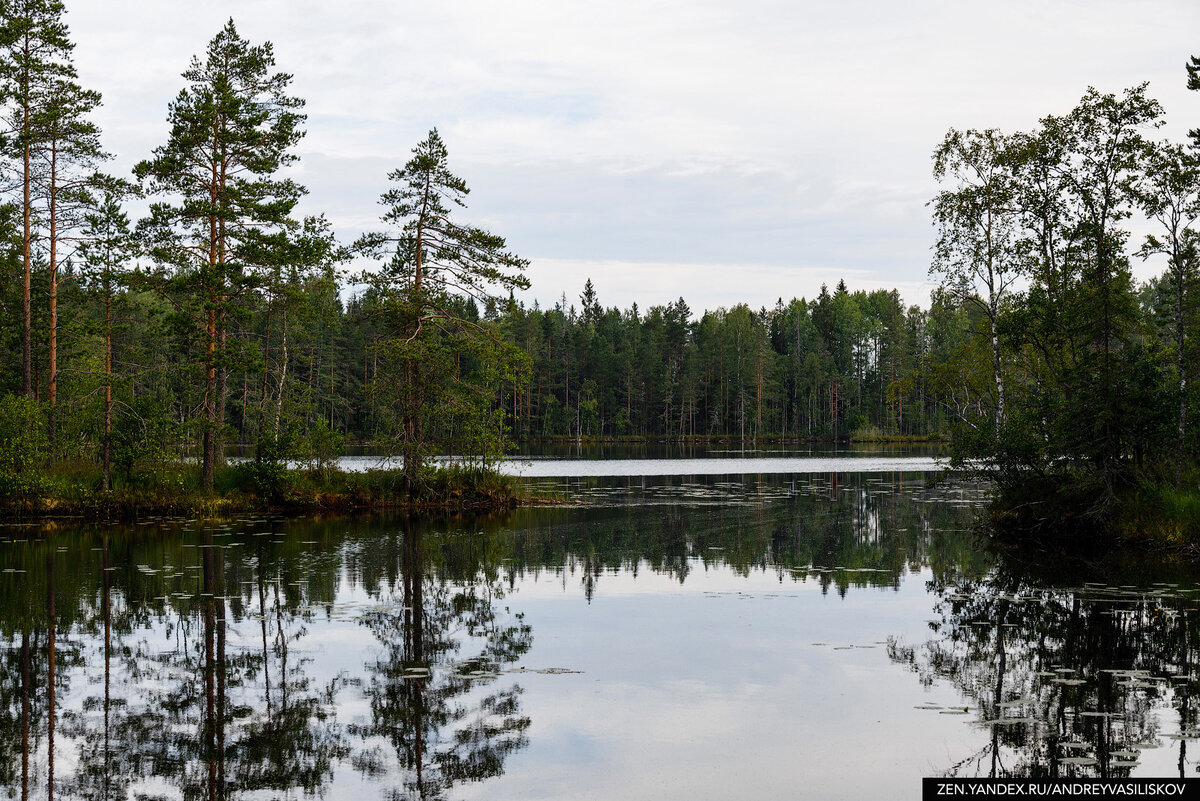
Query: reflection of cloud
x: 663, y: 711
x: 669, y: 131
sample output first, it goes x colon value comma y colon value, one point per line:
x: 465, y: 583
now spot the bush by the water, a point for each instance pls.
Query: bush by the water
x: 23, y: 450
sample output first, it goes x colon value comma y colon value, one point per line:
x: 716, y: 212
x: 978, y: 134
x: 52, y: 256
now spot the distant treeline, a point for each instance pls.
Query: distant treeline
x: 841, y: 364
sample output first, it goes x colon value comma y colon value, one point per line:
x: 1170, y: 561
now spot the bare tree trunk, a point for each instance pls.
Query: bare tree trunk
x: 1181, y: 365
x: 993, y: 308
x: 222, y: 389
x: 283, y: 366
x: 214, y: 291
x: 27, y: 237
x: 208, y: 437
x: 262, y: 398
x: 413, y: 428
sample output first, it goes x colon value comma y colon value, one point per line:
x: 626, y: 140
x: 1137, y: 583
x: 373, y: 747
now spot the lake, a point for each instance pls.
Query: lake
x: 767, y: 627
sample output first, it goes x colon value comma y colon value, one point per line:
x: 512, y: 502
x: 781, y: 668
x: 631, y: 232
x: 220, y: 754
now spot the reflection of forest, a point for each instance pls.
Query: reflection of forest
x: 841, y: 530
x: 187, y: 667
x: 179, y: 660
x: 1068, y: 679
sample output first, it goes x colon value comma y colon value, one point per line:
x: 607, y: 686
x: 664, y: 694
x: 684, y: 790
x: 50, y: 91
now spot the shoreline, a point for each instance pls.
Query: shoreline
x: 74, y: 494
x: 1077, y: 517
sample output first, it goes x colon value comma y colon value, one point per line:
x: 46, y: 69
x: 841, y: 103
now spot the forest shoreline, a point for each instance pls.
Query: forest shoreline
x: 563, y: 440
x: 74, y: 492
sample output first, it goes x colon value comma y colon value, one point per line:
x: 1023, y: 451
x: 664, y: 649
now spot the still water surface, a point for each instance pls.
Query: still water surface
x: 771, y: 636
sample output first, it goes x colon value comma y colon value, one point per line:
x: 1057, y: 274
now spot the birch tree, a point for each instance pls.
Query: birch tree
x: 977, y: 228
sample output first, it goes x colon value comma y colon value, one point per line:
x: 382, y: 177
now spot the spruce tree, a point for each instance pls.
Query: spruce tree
x: 106, y: 248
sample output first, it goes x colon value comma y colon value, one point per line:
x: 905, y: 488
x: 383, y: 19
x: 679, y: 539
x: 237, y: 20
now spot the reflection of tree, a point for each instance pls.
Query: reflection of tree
x: 34, y: 670
x: 171, y: 696
x: 100, y: 727
x: 431, y: 690
x: 1065, y: 678
x: 206, y: 730
x: 878, y: 525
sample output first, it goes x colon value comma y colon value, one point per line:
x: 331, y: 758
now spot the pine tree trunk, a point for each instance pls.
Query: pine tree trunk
x: 106, y: 479
x: 27, y: 237
x: 208, y: 439
x: 53, y: 267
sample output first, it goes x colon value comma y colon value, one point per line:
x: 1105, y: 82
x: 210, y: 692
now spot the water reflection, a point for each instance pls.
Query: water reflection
x: 188, y: 667
x: 1087, y: 679
x: 265, y: 658
x: 433, y: 700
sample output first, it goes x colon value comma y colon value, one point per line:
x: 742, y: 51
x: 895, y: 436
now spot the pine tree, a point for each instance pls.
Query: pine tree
x: 438, y: 270
x: 69, y: 152
x: 1193, y: 83
x: 232, y: 130
x: 34, y: 54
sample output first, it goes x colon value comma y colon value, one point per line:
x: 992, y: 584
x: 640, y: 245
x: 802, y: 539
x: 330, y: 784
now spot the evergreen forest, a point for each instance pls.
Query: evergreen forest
x: 216, y: 316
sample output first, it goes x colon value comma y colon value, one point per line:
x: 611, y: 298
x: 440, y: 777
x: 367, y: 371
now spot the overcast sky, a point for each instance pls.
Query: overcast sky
x: 726, y: 152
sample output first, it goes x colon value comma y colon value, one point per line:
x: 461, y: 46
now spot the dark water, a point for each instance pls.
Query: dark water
x: 833, y: 635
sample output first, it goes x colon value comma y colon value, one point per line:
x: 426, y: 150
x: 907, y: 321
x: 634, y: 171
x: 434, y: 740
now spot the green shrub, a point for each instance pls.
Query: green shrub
x: 23, y: 449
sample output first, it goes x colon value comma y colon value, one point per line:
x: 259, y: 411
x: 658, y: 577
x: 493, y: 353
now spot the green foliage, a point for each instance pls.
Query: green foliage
x: 1090, y: 391
x: 223, y: 218
x: 441, y: 362
x: 23, y: 450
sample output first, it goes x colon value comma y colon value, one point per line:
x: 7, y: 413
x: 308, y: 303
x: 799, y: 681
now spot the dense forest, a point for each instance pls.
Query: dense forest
x: 222, y: 318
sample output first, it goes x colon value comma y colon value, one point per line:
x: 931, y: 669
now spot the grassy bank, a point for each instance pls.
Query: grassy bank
x: 74, y: 490
x: 1160, y: 513
x: 871, y: 434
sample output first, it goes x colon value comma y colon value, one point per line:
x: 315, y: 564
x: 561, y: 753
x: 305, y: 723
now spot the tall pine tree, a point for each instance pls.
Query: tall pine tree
x: 233, y: 128
x: 439, y: 272
x: 34, y: 55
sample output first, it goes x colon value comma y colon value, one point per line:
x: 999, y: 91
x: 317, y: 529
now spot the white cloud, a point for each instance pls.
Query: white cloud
x: 768, y: 133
